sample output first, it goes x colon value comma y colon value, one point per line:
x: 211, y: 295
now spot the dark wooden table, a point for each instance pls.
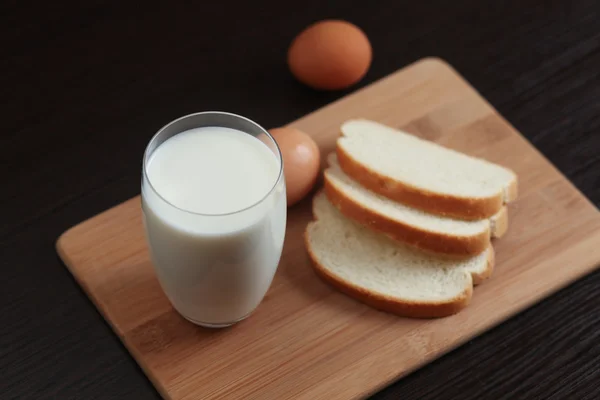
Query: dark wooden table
x: 85, y: 84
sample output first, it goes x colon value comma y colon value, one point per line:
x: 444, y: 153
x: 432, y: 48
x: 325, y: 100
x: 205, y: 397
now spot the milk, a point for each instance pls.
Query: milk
x: 215, y: 213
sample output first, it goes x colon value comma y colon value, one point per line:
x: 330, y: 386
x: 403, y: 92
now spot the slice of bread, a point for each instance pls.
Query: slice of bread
x: 385, y: 274
x: 423, y: 174
x: 407, y: 224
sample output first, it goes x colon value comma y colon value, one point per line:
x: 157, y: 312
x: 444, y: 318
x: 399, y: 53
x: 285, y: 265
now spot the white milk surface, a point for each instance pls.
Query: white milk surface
x: 215, y: 240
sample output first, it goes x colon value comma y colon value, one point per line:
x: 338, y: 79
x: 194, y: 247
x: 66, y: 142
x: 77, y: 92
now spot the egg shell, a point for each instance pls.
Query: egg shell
x: 330, y: 55
x: 301, y: 162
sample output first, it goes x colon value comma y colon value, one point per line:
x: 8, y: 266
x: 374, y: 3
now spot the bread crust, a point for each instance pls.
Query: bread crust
x: 416, y: 236
x: 512, y: 191
x: 435, y: 203
x: 397, y: 306
x: 487, y: 273
x: 500, y: 223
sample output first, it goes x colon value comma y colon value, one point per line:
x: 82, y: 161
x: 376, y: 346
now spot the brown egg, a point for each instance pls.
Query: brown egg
x: 330, y: 55
x: 301, y: 158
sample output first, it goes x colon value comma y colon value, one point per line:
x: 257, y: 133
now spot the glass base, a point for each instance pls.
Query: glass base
x: 212, y: 325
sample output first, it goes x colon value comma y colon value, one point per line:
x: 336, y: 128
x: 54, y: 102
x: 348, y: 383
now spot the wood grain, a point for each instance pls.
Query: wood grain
x: 307, y: 341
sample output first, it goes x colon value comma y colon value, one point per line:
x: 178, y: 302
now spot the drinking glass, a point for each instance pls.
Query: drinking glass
x: 215, y: 269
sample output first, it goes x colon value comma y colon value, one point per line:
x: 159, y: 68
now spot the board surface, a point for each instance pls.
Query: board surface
x: 305, y: 340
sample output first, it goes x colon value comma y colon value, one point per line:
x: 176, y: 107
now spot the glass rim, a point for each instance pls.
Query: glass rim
x: 226, y: 115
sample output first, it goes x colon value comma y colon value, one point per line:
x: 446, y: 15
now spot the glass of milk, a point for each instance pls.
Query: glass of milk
x: 214, y: 211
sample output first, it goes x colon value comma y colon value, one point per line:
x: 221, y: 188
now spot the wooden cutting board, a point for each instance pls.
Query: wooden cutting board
x: 305, y: 340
